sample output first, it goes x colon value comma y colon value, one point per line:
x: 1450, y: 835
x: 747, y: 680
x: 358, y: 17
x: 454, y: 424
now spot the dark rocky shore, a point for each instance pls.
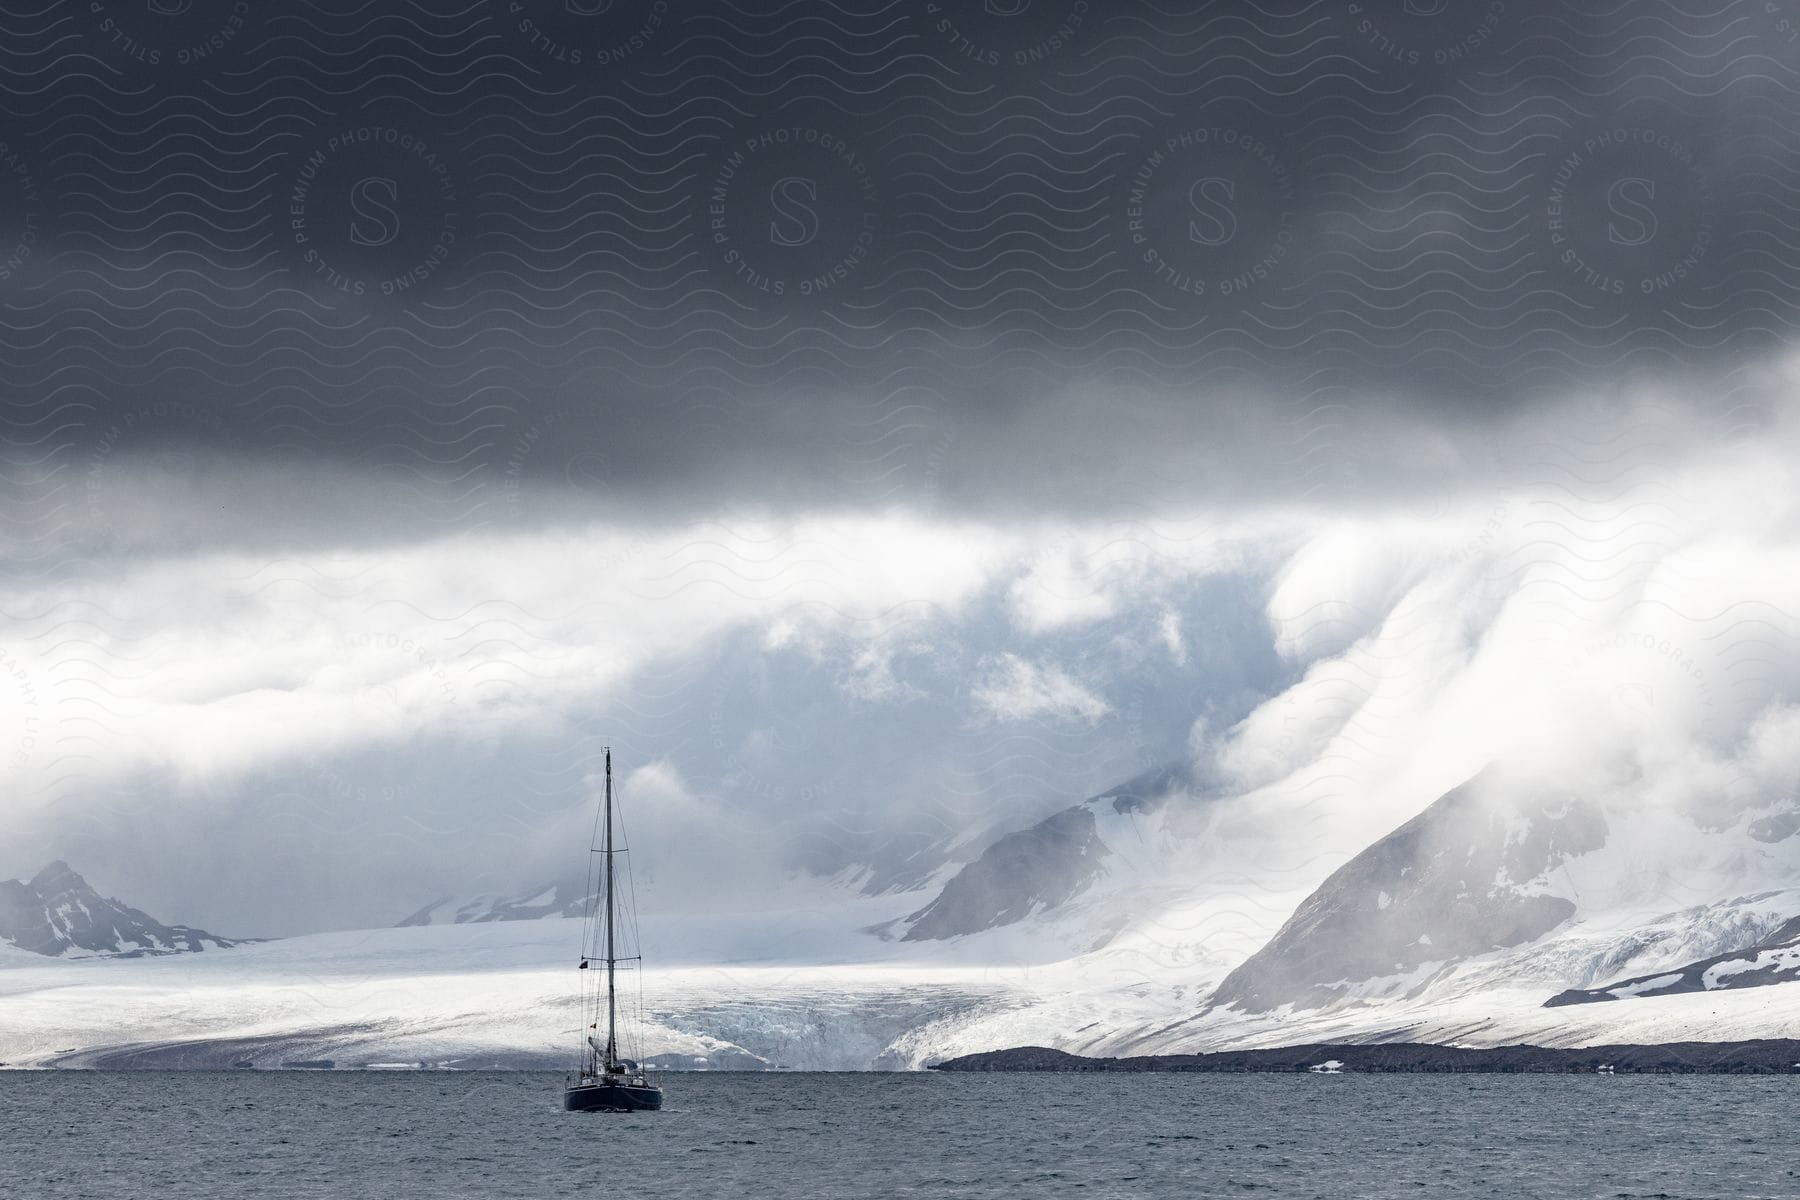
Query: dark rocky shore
x: 1771, y: 1057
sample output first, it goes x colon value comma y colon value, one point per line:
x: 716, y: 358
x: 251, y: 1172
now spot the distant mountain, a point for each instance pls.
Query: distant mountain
x: 1466, y: 877
x: 1022, y: 873
x: 1775, y: 959
x: 57, y: 913
x: 1037, y: 869
x: 564, y: 899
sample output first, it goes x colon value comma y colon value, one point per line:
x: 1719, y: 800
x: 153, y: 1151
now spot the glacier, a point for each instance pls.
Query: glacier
x: 1120, y: 944
x: 501, y: 995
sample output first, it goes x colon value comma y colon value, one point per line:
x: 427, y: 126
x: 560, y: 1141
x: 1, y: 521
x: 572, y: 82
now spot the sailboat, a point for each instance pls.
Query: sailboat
x: 608, y: 1082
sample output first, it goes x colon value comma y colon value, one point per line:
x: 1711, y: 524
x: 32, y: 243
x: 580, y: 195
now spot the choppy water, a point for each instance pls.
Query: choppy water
x: 292, y: 1136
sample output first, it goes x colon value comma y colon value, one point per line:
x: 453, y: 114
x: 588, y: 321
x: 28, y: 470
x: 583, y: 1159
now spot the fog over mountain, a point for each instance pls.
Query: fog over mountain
x: 358, y: 735
x: 1324, y: 409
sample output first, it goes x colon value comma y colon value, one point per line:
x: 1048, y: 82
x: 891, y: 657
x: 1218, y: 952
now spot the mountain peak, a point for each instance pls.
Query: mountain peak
x: 1043, y: 866
x: 57, y: 912
x: 57, y: 874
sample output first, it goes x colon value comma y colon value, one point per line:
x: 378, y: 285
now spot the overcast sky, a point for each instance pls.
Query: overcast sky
x: 878, y: 421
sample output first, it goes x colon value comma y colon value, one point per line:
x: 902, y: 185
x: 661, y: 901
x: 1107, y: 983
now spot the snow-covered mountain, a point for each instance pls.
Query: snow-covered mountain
x: 1155, y: 917
x: 1038, y: 869
x: 1501, y: 893
x: 563, y: 899
x: 501, y: 994
x: 1020, y: 873
x: 1772, y: 960
x: 1463, y: 878
x: 57, y: 913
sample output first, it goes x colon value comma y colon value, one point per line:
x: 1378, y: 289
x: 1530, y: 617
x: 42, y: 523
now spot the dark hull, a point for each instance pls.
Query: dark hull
x: 612, y: 1097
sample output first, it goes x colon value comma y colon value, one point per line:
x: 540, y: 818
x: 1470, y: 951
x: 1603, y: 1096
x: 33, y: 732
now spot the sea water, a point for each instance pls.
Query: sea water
x: 448, y: 1136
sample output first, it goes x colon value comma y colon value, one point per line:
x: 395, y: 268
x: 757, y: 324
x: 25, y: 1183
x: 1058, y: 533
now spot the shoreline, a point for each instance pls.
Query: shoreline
x: 1773, y: 1056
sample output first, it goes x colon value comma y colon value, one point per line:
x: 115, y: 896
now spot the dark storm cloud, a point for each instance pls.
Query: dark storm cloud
x: 404, y: 397
x: 821, y: 254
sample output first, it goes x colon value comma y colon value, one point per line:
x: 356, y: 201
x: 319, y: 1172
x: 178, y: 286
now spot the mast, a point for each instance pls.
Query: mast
x: 611, y: 1022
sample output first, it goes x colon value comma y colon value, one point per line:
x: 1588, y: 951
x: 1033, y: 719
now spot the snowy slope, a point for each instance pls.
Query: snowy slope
x: 1458, y: 926
x: 1772, y: 960
x: 554, y: 900
x: 496, y: 993
x: 1038, y: 869
x: 1462, y: 878
x: 1094, y: 1005
x: 500, y: 994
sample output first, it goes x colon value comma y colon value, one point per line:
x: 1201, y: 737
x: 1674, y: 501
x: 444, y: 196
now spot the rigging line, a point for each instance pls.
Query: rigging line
x: 638, y: 1024
x: 629, y: 1034
x: 630, y: 881
x: 589, y: 904
x: 631, y: 892
x: 589, y: 897
x: 612, y: 886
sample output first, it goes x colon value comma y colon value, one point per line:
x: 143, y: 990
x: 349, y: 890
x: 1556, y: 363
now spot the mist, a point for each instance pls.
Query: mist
x: 1595, y: 591
x: 1303, y: 395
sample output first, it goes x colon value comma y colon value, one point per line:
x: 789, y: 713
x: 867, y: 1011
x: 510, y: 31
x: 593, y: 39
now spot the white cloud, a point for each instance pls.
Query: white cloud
x: 1623, y: 615
x: 1616, y: 584
x: 1013, y: 689
x: 1168, y: 625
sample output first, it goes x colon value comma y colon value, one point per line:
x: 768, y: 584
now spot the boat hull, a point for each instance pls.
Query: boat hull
x: 612, y: 1097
